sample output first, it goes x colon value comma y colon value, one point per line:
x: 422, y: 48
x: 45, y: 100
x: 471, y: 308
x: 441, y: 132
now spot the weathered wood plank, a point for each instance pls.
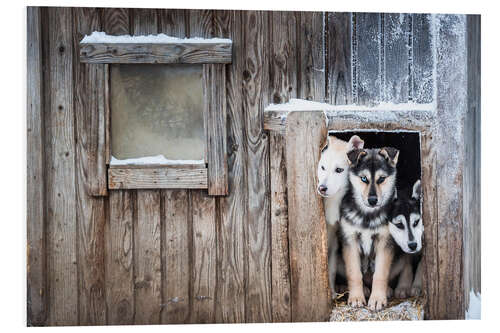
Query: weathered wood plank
x: 157, y: 178
x: 283, y: 59
x: 176, y: 252
x: 367, y: 58
x: 310, y: 295
x: 283, y: 72
x: 120, y: 258
x: 311, y: 45
x: 215, y: 109
x: 116, y: 21
x: 472, y: 174
x: 232, y: 209
x: 90, y: 175
x: 204, y: 258
x: 423, y: 59
x: 35, y: 215
x: 143, y: 21
x: 60, y: 171
x: 451, y: 80
x: 339, y: 58
x: 396, y: 62
x: 172, y: 22
x: 147, y: 266
x: 255, y: 98
x: 279, y: 230
x: 147, y: 53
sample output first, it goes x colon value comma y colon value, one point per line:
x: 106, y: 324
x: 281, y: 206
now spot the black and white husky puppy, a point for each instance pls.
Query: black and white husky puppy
x: 364, y: 225
x: 407, y: 229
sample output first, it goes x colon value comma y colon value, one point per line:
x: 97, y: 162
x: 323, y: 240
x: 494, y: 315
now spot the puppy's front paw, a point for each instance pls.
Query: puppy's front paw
x: 402, y: 291
x: 356, y: 298
x: 390, y: 292
x: 416, y: 290
x: 377, y: 300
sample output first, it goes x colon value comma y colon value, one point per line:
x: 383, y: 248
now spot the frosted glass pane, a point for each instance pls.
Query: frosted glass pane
x: 157, y: 109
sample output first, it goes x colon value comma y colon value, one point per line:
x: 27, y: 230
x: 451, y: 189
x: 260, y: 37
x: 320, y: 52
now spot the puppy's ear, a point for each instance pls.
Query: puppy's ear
x: 353, y: 156
x: 417, y: 190
x: 324, y: 146
x: 390, y: 154
x: 355, y: 142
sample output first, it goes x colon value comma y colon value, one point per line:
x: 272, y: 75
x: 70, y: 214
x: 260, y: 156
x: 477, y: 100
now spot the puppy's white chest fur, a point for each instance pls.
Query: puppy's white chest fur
x: 332, y: 207
x: 364, y: 236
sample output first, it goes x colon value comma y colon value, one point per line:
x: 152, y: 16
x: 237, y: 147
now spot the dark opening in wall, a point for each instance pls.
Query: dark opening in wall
x: 408, y: 143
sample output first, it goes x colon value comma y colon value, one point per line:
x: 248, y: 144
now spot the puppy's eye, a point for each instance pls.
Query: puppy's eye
x: 400, y: 225
x: 380, y: 180
x: 364, y: 179
x: 416, y: 223
x: 322, y: 168
x: 339, y: 170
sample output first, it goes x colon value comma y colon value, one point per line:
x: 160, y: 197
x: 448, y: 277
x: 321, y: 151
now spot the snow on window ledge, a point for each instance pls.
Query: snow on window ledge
x: 102, y: 37
x: 153, y: 160
x: 474, y: 310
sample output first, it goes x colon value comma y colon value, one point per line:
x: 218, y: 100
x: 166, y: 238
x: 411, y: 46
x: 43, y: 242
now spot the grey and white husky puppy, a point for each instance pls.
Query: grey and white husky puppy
x: 407, y: 229
x: 364, y: 216
x: 333, y: 182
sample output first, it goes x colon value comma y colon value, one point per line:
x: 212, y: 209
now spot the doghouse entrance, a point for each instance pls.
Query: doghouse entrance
x: 409, y: 170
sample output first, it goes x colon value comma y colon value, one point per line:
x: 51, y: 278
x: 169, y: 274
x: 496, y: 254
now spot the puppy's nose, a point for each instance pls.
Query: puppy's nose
x: 322, y: 189
x: 412, y: 245
x: 372, y: 200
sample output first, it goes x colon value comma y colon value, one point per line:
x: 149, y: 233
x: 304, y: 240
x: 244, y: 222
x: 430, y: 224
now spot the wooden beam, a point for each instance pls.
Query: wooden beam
x: 157, y: 178
x: 310, y: 291
x: 36, y: 269
x: 156, y: 53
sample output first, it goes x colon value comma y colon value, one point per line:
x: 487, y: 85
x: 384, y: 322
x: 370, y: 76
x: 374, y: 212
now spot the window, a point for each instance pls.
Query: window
x: 165, y: 102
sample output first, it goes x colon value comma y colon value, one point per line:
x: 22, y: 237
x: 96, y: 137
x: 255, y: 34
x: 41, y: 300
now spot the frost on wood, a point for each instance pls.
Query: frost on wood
x: 102, y: 37
x: 152, y: 160
x: 474, y: 309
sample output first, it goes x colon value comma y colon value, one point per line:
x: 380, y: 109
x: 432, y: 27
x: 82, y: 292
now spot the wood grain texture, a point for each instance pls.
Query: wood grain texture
x: 305, y: 132
x: 232, y: 211
x: 283, y: 58
x: 120, y: 296
x: 281, y: 303
x: 311, y: 45
x: 90, y: 175
x: 216, y: 135
x: 396, y: 65
x: 119, y: 270
x: 150, y: 53
x: 423, y: 59
x: 172, y: 22
x: 157, y: 178
x: 451, y: 80
x: 60, y: 171
x: 35, y: 215
x: 338, y: 59
x: 177, y: 257
x: 203, y: 258
x: 255, y: 98
x: 283, y: 72
x: 147, y: 254
x: 367, y: 58
x: 472, y: 170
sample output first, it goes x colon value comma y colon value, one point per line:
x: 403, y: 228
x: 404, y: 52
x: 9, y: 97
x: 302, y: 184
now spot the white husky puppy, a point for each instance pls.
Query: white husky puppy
x: 332, y: 185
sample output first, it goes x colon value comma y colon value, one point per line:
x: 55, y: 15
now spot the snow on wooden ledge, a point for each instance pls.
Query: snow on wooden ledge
x: 153, y: 160
x: 102, y: 37
x: 107, y: 49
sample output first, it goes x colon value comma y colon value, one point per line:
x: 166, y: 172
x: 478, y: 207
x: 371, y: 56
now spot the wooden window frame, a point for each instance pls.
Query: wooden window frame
x: 304, y: 130
x: 214, y: 56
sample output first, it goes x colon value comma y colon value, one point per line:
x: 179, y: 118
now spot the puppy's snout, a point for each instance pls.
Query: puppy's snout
x: 412, y: 245
x: 372, y: 200
x: 322, y: 189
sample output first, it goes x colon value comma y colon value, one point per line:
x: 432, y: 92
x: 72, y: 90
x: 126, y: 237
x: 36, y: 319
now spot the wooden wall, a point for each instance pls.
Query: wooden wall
x: 181, y: 256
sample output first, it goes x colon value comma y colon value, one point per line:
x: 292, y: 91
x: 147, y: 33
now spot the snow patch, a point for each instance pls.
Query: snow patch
x: 159, y: 159
x: 102, y: 37
x: 474, y: 310
x: 305, y: 105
